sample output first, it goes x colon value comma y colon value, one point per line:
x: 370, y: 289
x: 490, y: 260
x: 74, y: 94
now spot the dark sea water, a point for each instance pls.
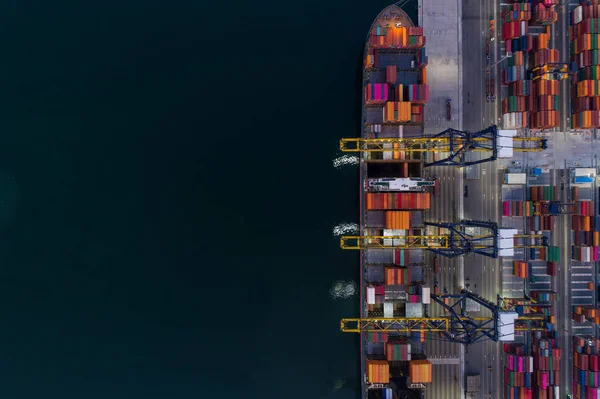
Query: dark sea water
x: 167, y: 198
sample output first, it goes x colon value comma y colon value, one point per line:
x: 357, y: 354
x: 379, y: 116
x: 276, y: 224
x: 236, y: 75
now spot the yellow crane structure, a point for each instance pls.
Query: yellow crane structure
x: 428, y: 144
x: 455, y: 143
x: 458, y: 326
x: 457, y: 241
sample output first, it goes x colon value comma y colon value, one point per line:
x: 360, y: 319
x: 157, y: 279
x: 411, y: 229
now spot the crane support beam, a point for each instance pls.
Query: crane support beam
x: 434, y: 324
x: 455, y: 143
x: 396, y: 242
x: 461, y: 243
x: 457, y: 327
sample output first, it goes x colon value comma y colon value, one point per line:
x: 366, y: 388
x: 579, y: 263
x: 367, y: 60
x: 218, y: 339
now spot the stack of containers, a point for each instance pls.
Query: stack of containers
x: 401, y: 257
x: 395, y: 111
x: 376, y: 93
x: 586, y: 236
x: 541, y: 223
x: 375, y: 294
x: 586, y: 351
x: 376, y: 337
x: 514, y: 33
x: 551, y: 268
x: 384, y: 201
x: 517, y: 208
x: 543, y: 296
x: 514, y: 107
x: 522, y: 269
x: 583, y: 313
x: 397, y: 275
x: 420, y: 371
x: 391, y: 74
x: 397, y: 351
x: 422, y: 60
x: 584, y: 253
x: 546, y: 362
x: 396, y: 37
x: 418, y: 93
x: 543, y: 193
x: 549, y: 254
x: 518, y: 372
x: 585, y: 91
x: 418, y: 293
x: 397, y: 220
x: 544, y: 12
x: 543, y: 101
x: 378, y: 371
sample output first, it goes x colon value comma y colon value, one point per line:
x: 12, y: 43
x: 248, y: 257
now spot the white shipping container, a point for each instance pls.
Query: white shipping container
x: 387, y: 155
x: 388, y: 309
x: 515, y: 178
x: 414, y: 309
x: 387, y: 242
x: 371, y: 295
x: 578, y: 15
x: 400, y: 131
x: 426, y: 294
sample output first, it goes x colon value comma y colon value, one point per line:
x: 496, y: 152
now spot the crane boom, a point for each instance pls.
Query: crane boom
x: 420, y: 324
x: 429, y: 144
x: 424, y: 242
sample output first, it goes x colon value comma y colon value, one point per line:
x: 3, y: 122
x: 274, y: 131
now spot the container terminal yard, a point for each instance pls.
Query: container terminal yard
x: 479, y: 215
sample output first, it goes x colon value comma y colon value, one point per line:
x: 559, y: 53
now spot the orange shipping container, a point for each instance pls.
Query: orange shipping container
x: 424, y: 76
x: 420, y: 371
x: 397, y: 220
x: 378, y: 371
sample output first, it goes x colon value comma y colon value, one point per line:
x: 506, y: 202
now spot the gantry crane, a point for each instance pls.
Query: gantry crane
x: 454, y: 142
x: 457, y: 327
x: 455, y: 243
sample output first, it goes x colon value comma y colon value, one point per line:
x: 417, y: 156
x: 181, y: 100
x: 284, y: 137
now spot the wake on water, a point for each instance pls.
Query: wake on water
x: 345, y: 229
x: 343, y: 289
x: 346, y: 160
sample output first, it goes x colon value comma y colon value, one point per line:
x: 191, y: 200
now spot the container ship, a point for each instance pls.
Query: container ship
x: 393, y: 197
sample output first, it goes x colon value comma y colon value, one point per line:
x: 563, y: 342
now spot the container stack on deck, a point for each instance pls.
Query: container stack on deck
x: 532, y: 103
x: 395, y: 93
x: 585, y: 92
x: 586, y: 378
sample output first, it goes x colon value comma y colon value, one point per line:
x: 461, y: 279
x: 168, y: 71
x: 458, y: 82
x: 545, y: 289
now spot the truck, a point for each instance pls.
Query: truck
x: 473, y: 386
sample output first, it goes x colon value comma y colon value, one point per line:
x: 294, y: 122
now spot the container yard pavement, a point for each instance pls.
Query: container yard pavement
x: 484, y: 194
x: 441, y: 22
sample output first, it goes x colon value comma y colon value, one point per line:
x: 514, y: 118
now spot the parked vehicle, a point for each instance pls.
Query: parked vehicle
x: 448, y: 109
x: 466, y: 191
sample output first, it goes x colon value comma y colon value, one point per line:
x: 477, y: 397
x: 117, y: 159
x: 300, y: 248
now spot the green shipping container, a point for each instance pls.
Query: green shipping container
x: 412, y: 40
